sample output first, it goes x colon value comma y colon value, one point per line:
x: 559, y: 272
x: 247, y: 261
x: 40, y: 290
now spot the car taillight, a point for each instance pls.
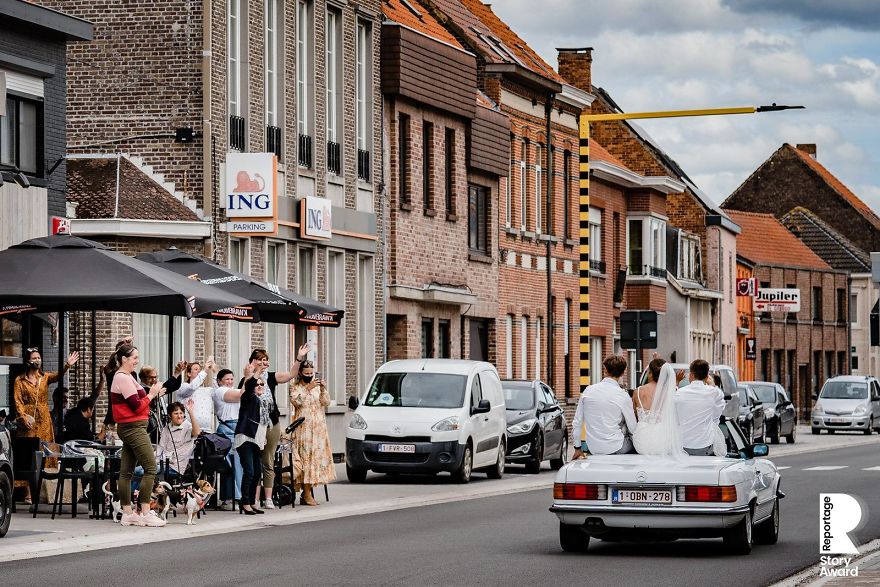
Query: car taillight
x: 579, y: 491
x: 724, y: 493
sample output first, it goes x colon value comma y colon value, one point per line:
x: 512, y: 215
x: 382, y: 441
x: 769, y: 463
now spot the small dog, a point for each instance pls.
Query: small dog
x: 160, y: 500
x: 112, y: 499
x: 196, y: 497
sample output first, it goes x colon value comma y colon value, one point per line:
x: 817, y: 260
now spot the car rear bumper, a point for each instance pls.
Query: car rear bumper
x: 429, y: 457
x: 598, y: 519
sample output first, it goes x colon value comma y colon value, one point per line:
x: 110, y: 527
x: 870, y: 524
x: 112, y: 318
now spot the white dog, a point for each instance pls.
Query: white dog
x: 196, y: 498
x: 112, y: 499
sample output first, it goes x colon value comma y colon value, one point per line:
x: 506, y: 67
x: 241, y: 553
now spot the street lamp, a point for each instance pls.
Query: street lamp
x: 584, y: 206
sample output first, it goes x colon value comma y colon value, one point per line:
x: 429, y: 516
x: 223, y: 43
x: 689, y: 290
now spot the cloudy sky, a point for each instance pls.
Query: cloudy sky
x: 682, y: 54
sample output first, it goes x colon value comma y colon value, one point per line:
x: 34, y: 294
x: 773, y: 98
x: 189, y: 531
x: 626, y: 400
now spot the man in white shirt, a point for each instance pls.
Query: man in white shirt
x: 699, y: 408
x: 606, y: 412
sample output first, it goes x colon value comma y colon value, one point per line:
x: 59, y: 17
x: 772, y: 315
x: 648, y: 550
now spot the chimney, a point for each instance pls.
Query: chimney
x: 809, y: 149
x: 575, y: 67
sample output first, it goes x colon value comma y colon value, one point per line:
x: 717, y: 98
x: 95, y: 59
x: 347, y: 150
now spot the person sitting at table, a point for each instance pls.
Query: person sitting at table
x: 177, y: 441
x: 78, y: 422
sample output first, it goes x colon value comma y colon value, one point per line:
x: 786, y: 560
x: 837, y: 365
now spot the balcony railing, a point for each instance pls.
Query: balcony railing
x: 237, y: 133
x: 334, y: 158
x: 596, y: 265
x: 304, y: 151
x: 273, y: 140
x: 648, y: 270
x: 363, y: 165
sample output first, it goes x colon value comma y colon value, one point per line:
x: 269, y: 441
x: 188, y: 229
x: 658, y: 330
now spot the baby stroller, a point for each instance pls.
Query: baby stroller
x: 282, y: 494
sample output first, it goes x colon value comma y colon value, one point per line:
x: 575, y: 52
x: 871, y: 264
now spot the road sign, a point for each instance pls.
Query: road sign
x: 777, y: 300
x: 638, y: 329
x: 746, y: 286
x: 751, y: 349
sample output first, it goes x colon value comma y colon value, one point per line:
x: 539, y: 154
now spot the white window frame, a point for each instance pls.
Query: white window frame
x: 333, y: 365
x: 854, y: 309
x: 523, y: 180
x: 508, y: 347
x: 304, y: 94
x: 689, y: 257
x: 236, y: 23
x: 278, y: 335
x: 363, y: 84
x: 524, y: 348
x: 274, y: 43
x: 649, y: 254
x: 239, y: 338
x: 595, y: 234
x: 333, y: 54
x: 538, y: 322
x: 597, y: 344
x: 508, y: 192
x: 538, y: 178
x: 366, y: 320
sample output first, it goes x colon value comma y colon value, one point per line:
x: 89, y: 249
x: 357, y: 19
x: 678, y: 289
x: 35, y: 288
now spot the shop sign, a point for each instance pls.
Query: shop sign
x: 315, y: 218
x: 746, y: 286
x: 751, y: 349
x: 60, y: 225
x: 251, y: 226
x: 251, y: 185
x: 777, y: 300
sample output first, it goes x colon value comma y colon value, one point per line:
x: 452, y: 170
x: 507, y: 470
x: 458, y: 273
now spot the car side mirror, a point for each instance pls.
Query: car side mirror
x: 353, y: 402
x: 815, y: 396
x: 482, y: 408
x: 760, y: 450
x: 547, y: 408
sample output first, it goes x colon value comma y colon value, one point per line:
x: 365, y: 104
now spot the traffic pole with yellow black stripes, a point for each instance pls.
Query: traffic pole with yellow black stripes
x: 584, y: 251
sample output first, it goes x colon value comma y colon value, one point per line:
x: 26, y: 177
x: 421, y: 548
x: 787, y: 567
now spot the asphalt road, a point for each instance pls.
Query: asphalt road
x: 510, y: 540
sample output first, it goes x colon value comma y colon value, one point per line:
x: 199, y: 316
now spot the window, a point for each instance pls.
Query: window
x: 152, y: 334
x: 304, y: 95
x: 523, y: 347
x: 277, y: 335
x: 427, y: 166
x: 508, y: 192
x: 538, y: 323
x: 305, y: 283
x: 596, y: 263
x: 566, y: 195
x: 566, y: 346
x: 523, y: 153
x: 444, y: 336
x: 239, y: 339
x: 334, y: 362
x: 508, y: 347
x: 333, y: 47
x: 689, y: 257
x: 403, y: 158
x: 274, y: 46
x: 21, y: 135
x: 647, y: 247
x: 777, y: 366
x: 235, y: 74
x: 854, y: 309
x: 539, y: 208
x: 841, y: 363
x: 449, y: 147
x: 366, y: 321
x: 841, y: 306
x: 476, y: 393
x: 364, y: 98
x: 478, y: 219
x: 596, y: 345
x: 817, y: 304
x: 427, y: 338
x: 765, y: 364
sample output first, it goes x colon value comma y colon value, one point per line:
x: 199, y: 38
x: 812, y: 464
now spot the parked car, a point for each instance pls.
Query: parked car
x: 751, y: 414
x: 626, y: 497
x: 847, y: 402
x: 6, y: 477
x: 428, y: 416
x: 536, y: 429
x: 780, y: 417
x: 724, y: 378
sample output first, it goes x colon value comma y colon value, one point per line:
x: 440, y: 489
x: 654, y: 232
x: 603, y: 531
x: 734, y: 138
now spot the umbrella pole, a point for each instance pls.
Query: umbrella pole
x: 94, y: 325
x: 171, y: 346
x: 62, y: 338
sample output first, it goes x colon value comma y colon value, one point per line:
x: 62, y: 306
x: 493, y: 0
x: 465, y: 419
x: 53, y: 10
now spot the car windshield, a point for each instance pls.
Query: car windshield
x: 766, y: 393
x: 844, y: 390
x: 518, y: 397
x: 417, y: 390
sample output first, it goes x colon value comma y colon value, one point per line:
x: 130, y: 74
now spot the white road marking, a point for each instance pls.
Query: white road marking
x: 872, y: 469
x: 782, y: 468
x: 827, y: 468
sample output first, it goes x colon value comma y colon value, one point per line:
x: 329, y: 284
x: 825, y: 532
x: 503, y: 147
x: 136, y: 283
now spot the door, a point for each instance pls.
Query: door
x: 479, y: 335
x: 757, y: 413
x: 496, y: 425
x: 875, y: 401
x: 786, y: 414
x: 551, y: 420
x: 480, y: 428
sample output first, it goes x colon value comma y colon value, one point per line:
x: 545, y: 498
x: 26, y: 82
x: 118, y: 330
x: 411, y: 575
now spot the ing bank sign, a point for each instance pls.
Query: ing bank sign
x: 251, y: 194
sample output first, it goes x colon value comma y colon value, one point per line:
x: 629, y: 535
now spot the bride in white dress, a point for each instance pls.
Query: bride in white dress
x: 657, y: 432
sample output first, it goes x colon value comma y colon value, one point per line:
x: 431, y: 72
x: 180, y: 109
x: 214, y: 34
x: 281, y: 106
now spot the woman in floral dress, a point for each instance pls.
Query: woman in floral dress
x: 313, y: 459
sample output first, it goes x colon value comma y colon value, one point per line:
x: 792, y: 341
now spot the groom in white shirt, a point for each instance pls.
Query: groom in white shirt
x: 699, y: 407
x: 606, y: 411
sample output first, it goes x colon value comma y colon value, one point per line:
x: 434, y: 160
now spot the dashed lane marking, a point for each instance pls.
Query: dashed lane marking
x: 872, y: 469
x: 827, y: 468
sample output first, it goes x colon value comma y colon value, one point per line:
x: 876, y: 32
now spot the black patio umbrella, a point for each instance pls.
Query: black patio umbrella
x: 66, y: 273
x: 274, y: 304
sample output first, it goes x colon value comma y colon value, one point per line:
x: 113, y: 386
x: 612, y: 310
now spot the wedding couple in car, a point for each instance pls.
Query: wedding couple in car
x: 660, y: 419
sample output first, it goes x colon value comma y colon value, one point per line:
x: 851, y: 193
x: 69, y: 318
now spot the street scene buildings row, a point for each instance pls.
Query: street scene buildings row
x: 448, y: 152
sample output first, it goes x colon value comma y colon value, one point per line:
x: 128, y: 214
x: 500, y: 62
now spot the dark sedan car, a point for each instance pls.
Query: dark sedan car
x: 751, y: 414
x: 780, y: 417
x: 536, y: 429
x: 5, y: 480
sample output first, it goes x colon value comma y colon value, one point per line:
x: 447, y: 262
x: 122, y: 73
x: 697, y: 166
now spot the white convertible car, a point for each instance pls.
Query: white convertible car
x: 636, y: 497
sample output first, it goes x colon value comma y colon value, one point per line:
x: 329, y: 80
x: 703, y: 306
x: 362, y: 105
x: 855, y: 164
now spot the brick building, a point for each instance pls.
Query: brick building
x: 173, y: 91
x: 798, y: 350
x: 536, y: 329
x: 448, y: 145
x: 33, y: 71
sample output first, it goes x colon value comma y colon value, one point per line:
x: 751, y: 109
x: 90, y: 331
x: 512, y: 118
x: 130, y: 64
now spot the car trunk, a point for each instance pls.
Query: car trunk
x: 644, y: 469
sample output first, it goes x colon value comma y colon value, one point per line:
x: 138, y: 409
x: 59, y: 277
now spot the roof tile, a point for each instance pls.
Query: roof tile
x: 834, y: 248
x: 426, y: 24
x: 764, y: 240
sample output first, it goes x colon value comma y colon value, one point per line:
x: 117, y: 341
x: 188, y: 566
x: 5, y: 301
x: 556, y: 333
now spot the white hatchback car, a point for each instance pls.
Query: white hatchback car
x: 619, y: 497
x: 427, y: 416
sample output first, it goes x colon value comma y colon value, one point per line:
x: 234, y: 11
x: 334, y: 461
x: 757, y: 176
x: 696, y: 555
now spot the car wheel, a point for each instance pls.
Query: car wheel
x: 573, y: 539
x: 5, y: 504
x: 355, y: 475
x: 774, y: 434
x: 815, y: 430
x: 738, y: 539
x: 463, y: 473
x: 534, y: 466
x: 870, y: 427
x: 790, y: 438
x: 497, y: 470
x: 557, y: 464
x: 768, y: 532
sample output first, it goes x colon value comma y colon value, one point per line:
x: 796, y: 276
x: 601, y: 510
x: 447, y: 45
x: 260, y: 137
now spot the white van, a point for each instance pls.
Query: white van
x: 427, y: 416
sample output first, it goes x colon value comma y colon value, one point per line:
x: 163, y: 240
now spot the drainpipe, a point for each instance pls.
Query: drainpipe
x: 548, y: 112
x: 207, y: 171
x: 116, y: 206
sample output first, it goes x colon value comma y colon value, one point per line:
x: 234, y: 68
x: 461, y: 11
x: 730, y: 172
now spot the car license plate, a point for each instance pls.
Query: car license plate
x: 646, y: 496
x: 397, y: 448
x: 836, y: 420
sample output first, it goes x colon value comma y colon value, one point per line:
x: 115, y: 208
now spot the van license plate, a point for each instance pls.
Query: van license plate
x: 647, y: 496
x: 397, y: 448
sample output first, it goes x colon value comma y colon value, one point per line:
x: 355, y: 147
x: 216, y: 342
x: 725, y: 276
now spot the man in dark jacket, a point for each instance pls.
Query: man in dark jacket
x: 78, y: 422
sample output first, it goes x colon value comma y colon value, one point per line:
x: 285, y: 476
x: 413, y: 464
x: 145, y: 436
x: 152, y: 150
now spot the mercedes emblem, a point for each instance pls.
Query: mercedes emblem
x: 641, y: 476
